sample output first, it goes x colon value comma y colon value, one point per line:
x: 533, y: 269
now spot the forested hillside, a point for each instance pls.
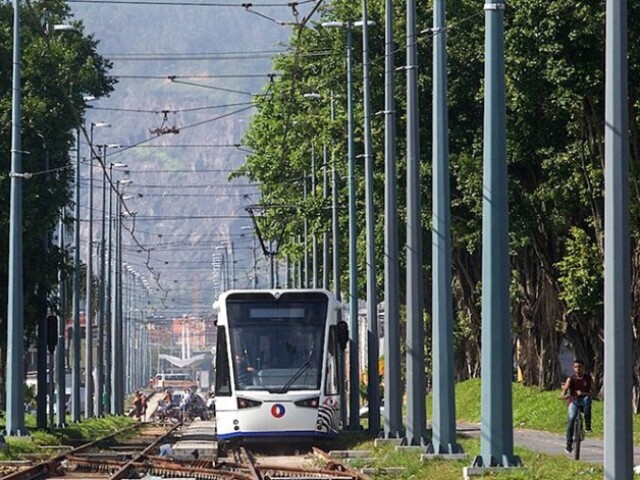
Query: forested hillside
x: 187, y: 78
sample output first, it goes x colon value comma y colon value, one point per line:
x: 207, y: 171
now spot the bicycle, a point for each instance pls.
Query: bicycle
x: 578, y: 433
x: 578, y: 430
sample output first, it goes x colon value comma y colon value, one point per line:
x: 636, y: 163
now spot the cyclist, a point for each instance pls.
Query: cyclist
x: 578, y: 390
x: 164, y: 404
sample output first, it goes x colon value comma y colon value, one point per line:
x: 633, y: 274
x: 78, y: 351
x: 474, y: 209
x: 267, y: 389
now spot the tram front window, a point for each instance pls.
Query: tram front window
x: 277, y: 344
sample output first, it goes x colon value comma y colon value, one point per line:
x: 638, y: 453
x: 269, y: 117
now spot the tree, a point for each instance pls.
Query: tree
x: 555, y: 104
x: 58, y: 69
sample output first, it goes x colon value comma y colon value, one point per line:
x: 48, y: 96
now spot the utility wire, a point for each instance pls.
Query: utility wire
x: 193, y: 4
x: 179, y: 110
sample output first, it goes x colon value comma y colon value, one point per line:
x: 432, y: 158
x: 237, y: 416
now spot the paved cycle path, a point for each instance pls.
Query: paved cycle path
x: 592, y: 449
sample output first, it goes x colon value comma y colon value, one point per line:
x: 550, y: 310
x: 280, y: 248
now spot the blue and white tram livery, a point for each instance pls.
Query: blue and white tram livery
x: 278, y: 365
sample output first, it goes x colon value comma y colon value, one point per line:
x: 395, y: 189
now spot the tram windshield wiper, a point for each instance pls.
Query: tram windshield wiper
x: 303, y: 368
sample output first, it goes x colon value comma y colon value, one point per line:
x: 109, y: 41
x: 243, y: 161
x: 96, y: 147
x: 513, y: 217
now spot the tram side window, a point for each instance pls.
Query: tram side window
x: 331, y: 381
x: 223, y: 377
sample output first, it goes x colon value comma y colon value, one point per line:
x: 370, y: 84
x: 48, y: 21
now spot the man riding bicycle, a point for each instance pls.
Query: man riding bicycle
x: 578, y: 390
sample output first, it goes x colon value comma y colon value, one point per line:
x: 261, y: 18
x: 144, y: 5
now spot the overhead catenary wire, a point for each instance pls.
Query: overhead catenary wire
x: 243, y: 5
x: 178, y: 110
x: 129, y: 224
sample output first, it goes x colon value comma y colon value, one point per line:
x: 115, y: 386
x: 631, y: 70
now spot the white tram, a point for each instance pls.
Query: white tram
x: 278, y: 373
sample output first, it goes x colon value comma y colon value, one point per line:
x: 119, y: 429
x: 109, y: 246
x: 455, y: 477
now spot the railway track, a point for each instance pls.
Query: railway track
x: 138, y: 457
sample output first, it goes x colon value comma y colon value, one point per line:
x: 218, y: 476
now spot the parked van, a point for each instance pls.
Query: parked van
x: 174, y: 381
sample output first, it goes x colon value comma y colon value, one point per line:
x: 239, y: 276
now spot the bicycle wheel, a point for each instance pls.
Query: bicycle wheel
x: 577, y: 436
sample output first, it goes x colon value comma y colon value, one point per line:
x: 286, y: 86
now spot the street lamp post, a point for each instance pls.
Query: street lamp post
x: 305, y: 234
x: 117, y: 367
x: 336, y: 261
x: 75, y: 332
x: 314, y: 236
x: 325, y: 234
x: 325, y: 195
x: 354, y: 388
x: 103, y: 373
x: 61, y: 347
x: 89, y: 288
x: 109, y: 317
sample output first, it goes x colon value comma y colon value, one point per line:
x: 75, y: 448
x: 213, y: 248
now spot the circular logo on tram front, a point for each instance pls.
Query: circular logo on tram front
x: 278, y: 410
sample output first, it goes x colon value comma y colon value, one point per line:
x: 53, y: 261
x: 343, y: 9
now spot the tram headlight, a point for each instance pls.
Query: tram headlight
x: 308, y: 403
x: 246, y: 403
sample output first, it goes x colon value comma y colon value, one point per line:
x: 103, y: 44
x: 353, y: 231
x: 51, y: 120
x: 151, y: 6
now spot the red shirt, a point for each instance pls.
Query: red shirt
x: 583, y: 384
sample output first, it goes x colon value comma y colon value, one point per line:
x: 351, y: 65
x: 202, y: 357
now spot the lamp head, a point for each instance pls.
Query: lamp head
x: 334, y: 24
x: 65, y: 28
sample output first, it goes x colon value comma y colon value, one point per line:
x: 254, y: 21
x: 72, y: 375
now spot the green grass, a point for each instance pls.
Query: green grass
x: 535, y: 466
x: 532, y: 409
x: 87, y: 429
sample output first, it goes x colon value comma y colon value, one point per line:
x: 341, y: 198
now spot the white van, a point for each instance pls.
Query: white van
x: 174, y: 381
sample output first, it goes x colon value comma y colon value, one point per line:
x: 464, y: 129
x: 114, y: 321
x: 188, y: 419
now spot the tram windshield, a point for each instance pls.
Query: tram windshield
x: 277, y: 343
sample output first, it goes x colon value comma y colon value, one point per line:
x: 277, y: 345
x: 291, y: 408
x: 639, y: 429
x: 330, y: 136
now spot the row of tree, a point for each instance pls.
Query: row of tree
x: 555, y: 106
x: 59, y: 69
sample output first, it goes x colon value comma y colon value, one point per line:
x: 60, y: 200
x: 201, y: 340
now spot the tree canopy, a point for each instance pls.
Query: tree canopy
x: 555, y: 106
x: 59, y: 68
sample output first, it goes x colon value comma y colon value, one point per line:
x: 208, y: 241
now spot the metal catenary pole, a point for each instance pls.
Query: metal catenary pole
x: 618, y: 434
x: 354, y: 370
x: 61, y: 379
x: 75, y: 333
x: 444, y: 414
x: 392, y: 415
x: 416, y: 417
x: 373, y: 389
x: 15, y: 310
x: 496, y: 444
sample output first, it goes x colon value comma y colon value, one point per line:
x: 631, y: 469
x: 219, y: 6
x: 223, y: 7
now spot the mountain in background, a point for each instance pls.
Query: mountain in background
x: 193, y: 69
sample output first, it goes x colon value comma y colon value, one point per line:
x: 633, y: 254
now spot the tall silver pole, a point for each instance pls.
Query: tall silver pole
x: 444, y: 410
x: 306, y: 235
x: 373, y: 389
x: 102, y: 353
x: 325, y: 234
x: 117, y: 401
x: 109, y: 319
x: 233, y: 265
x: 227, y: 269
x: 496, y: 444
x: 75, y: 334
x: 416, y: 404
x: 392, y: 416
x: 88, y: 311
x: 61, y: 378
x: 618, y: 358
x: 15, y: 310
x: 337, y: 290
x: 255, y: 263
x: 314, y: 237
x: 354, y: 370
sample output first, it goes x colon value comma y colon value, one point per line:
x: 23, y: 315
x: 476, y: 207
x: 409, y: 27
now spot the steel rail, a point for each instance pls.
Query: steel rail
x: 52, y: 465
x: 343, y: 468
x: 119, y: 475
